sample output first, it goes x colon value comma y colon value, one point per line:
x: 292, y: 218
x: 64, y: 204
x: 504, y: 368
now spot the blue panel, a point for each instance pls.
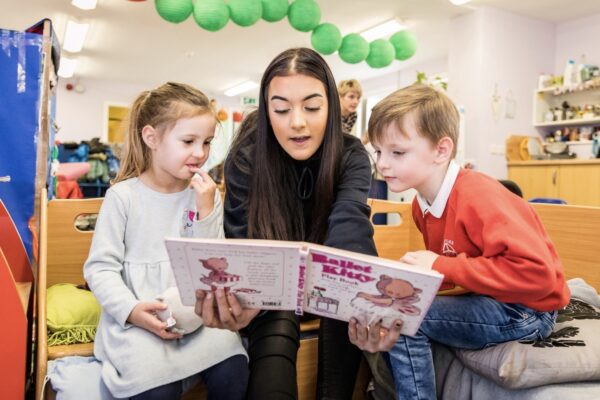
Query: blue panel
x: 20, y: 75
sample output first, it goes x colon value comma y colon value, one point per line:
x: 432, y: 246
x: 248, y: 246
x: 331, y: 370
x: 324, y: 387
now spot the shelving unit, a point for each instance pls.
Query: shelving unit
x: 547, y: 99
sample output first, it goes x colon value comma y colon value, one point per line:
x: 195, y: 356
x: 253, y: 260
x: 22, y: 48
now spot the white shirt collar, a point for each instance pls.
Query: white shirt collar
x: 439, y: 203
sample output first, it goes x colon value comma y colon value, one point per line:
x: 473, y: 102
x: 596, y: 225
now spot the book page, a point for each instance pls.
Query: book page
x: 341, y: 285
x: 262, y: 274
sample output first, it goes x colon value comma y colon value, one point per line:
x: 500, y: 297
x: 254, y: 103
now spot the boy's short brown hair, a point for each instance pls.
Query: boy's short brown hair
x: 435, y: 115
x: 350, y: 85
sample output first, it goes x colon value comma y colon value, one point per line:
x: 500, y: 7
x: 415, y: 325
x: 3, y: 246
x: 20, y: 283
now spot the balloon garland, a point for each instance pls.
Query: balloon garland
x: 303, y: 15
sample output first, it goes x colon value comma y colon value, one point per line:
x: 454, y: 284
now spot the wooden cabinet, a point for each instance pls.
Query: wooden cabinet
x: 575, y: 181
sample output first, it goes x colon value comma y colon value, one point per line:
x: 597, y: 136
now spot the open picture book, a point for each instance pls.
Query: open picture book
x: 303, y: 277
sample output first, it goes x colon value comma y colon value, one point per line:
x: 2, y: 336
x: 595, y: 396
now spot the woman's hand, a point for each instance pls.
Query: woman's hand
x: 373, y: 338
x: 220, y: 310
x: 144, y: 316
x: 421, y: 258
x: 205, y: 189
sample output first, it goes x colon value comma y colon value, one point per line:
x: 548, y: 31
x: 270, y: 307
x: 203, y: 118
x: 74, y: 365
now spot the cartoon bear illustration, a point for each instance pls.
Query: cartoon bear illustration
x: 217, y: 276
x: 398, y: 294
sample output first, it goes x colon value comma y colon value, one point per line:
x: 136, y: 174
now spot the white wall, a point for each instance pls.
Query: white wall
x: 80, y: 116
x: 385, y: 84
x: 490, y: 48
x: 575, y: 38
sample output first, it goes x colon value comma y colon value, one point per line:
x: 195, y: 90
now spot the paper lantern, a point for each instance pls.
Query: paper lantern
x: 304, y: 15
x: 211, y: 15
x: 274, y: 10
x: 404, y: 44
x: 174, y: 11
x: 326, y: 38
x: 381, y: 53
x: 354, y: 48
x: 245, y: 12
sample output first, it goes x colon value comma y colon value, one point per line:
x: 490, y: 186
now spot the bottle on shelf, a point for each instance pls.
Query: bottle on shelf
x: 570, y: 76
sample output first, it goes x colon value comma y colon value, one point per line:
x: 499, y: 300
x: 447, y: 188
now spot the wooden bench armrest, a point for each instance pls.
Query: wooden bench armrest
x: 79, y: 349
x: 42, y: 327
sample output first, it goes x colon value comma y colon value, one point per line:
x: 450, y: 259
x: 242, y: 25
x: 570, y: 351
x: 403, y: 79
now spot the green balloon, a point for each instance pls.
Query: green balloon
x: 211, y: 15
x: 304, y: 15
x: 174, y: 11
x: 405, y: 45
x: 326, y: 38
x: 245, y: 12
x: 354, y: 48
x: 274, y: 10
x: 381, y: 53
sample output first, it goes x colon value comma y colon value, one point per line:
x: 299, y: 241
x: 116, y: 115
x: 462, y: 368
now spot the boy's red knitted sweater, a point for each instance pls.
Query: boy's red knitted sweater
x: 492, y: 242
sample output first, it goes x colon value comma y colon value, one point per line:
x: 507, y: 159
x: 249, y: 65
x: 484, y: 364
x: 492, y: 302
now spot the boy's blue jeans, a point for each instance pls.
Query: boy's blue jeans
x: 467, y: 322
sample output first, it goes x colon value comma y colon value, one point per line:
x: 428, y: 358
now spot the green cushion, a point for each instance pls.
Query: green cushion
x: 72, y: 315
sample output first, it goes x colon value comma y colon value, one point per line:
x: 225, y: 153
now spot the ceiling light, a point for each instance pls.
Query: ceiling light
x: 84, y: 4
x: 241, y: 88
x: 67, y: 67
x: 75, y: 36
x: 383, y: 30
x: 459, y: 2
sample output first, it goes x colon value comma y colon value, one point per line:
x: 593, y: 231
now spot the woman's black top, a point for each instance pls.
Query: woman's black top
x: 349, y: 226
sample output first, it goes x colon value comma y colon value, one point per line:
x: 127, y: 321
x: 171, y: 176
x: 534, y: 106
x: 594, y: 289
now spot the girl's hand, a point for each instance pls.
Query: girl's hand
x: 143, y: 315
x: 421, y: 258
x: 226, y: 313
x: 373, y: 338
x: 205, y: 189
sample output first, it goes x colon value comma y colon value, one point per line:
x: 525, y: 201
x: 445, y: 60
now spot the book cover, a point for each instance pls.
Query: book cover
x: 279, y: 275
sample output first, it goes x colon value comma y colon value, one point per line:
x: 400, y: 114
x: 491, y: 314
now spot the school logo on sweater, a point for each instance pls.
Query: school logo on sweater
x: 448, y: 248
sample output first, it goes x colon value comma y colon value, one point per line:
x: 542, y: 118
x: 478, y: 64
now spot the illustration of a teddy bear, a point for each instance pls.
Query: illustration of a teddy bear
x: 395, y: 293
x: 217, y: 276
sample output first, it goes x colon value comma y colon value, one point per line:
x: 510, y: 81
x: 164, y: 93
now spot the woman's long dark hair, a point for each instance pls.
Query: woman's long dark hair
x: 274, y: 208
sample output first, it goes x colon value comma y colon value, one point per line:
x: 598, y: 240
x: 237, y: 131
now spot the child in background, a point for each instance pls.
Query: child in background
x: 481, y: 236
x: 160, y: 191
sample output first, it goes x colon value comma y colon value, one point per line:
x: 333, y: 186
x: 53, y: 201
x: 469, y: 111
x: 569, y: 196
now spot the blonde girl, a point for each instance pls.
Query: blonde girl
x: 160, y: 191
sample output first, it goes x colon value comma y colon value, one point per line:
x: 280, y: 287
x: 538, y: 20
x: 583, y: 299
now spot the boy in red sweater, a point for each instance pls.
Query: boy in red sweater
x: 481, y: 236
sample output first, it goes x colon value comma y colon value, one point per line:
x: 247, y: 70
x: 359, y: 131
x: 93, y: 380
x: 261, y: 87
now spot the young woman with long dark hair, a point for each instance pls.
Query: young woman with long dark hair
x: 292, y: 174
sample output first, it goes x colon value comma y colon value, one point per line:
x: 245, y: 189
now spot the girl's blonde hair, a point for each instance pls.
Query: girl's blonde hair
x: 160, y: 108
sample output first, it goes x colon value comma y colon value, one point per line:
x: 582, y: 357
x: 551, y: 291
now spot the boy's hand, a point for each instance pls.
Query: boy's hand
x: 421, y: 258
x: 205, y: 189
x: 143, y: 315
x: 373, y: 338
x: 226, y: 313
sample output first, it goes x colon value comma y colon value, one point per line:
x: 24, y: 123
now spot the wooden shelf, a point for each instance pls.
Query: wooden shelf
x: 568, y: 122
x: 563, y: 90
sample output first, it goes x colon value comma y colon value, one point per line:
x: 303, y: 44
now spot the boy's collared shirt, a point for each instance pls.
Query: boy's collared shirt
x: 436, y: 209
